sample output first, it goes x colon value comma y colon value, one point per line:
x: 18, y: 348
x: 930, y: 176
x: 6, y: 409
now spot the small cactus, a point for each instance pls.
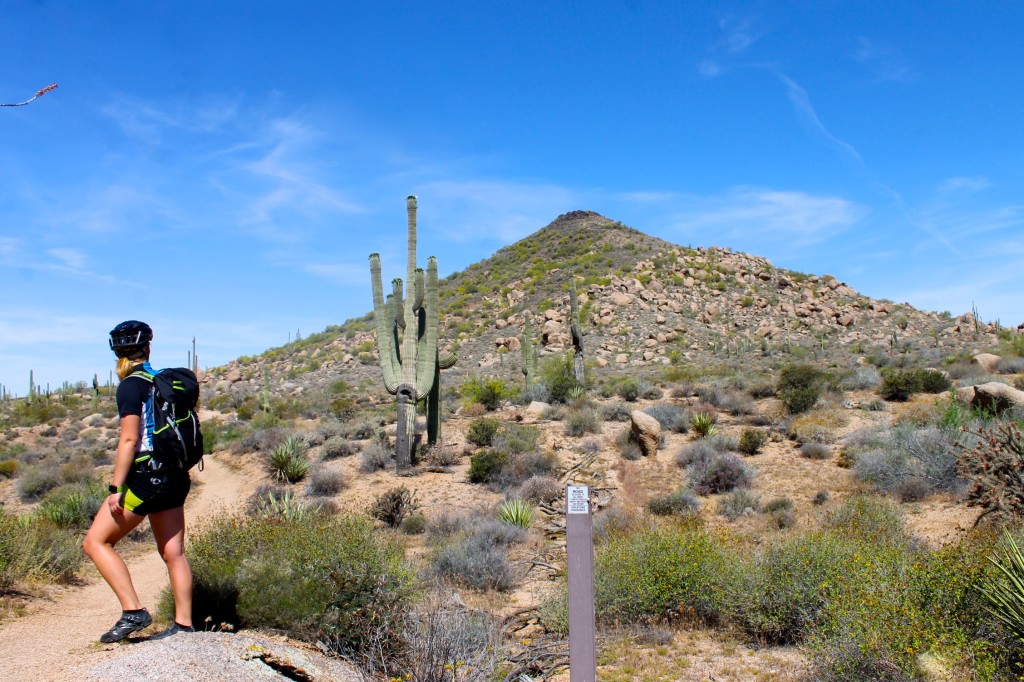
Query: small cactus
x: 529, y: 352
x: 577, y: 336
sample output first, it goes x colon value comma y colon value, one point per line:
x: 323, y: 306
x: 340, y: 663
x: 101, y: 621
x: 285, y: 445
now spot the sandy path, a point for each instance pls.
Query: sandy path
x: 63, y: 632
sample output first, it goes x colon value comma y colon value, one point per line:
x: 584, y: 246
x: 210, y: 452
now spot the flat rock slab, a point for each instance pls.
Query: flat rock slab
x: 221, y: 656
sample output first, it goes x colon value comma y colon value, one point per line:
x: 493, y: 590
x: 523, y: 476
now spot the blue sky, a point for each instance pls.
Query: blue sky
x: 223, y: 170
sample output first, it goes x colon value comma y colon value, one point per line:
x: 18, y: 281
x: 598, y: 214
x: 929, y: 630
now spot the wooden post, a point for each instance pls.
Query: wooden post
x: 580, y: 549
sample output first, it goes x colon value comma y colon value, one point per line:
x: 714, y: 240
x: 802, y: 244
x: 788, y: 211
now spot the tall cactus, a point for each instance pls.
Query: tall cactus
x: 529, y: 352
x: 577, y: 336
x: 407, y: 344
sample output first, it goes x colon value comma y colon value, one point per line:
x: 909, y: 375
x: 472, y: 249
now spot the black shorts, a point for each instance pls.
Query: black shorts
x: 149, y: 492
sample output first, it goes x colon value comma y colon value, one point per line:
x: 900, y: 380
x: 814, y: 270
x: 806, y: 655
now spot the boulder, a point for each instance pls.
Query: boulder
x: 987, y: 361
x: 994, y: 395
x: 621, y: 300
x: 646, y: 430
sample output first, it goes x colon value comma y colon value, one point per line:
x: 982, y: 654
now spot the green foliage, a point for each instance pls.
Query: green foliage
x: 34, y: 549
x: 703, y: 424
x: 318, y: 578
x: 799, y: 387
x: 482, y: 430
x: 1004, y: 592
x: 488, y: 392
x: 581, y: 421
x: 288, y: 461
x: 752, y: 440
x: 682, y: 502
x: 73, y: 506
x: 516, y: 512
x: 629, y: 389
x: 659, y: 573
x: 8, y: 467
x: 484, y: 466
x: 36, y: 481
x: 558, y: 377
x: 900, y: 384
x: 394, y: 506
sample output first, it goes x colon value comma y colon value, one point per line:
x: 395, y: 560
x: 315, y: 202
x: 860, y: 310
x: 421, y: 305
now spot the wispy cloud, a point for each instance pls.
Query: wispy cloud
x: 70, y: 259
x: 150, y: 123
x: 796, y: 218
x: 969, y: 184
x: 883, y: 61
x: 805, y: 110
x: 740, y: 33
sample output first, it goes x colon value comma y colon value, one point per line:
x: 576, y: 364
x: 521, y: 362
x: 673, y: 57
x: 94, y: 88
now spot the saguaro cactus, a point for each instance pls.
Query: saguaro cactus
x: 407, y: 344
x: 577, y: 336
x: 529, y: 352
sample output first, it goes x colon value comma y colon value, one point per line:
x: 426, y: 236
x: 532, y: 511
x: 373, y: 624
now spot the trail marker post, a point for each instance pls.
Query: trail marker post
x: 579, y: 541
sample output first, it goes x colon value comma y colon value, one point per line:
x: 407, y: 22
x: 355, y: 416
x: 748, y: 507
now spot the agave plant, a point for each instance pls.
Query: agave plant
x: 1005, y: 591
x: 288, y: 461
x: 285, y: 506
x: 703, y: 424
x: 516, y: 512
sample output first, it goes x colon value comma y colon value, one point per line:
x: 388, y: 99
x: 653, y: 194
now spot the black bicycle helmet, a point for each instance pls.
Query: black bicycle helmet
x: 129, y: 336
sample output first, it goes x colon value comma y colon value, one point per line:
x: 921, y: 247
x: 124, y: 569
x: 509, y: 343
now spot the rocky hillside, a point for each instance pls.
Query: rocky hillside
x: 645, y: 304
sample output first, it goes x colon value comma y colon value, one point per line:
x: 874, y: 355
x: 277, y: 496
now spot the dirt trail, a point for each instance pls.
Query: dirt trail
x: 62, y: 633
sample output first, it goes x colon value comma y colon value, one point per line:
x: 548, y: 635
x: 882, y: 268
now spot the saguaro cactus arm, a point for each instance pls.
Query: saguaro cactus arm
x: 384, y: 318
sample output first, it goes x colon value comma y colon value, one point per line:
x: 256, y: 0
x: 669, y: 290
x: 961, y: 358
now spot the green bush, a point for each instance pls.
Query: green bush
x: 487, y: 392
x: 516, y: 439
x: 582, y: 421
x: 318, y: 578
x: 558, y: 377
x: 34, y: 549
x: 287, y: 461
x: 484, y: 466
x: 752, y: 440
x: 799, y: 387
x: 663, y: 573
x: 73, y: 506
x: 8, y: 467
x: 682, y: 502
x: 482, y: 430
x: 900, y: 384
x: 629, y: 389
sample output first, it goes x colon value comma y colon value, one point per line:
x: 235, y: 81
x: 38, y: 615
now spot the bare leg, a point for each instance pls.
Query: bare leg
x: 169, y: 531
x: 99, y: 543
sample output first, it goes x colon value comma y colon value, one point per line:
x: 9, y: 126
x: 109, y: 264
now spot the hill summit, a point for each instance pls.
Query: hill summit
x: 644, y: 302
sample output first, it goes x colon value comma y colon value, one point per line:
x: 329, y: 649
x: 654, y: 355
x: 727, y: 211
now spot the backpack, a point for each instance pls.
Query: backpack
x: 177, y: 438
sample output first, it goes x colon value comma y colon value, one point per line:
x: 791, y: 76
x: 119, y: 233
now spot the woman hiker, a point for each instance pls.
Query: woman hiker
x: 137, y: 491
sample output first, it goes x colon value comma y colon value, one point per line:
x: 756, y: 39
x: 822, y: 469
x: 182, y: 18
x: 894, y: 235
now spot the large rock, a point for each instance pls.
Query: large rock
x: 994, y: 395
x: 987, y: 361
x: 647, y: 431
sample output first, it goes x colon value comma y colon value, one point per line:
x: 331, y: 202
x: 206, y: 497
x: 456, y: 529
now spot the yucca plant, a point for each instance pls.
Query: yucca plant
x: 287, y: 506
x: 1005, y: 591
x: 703, y: 424
x: 516, y: 512
x: 288, y: 461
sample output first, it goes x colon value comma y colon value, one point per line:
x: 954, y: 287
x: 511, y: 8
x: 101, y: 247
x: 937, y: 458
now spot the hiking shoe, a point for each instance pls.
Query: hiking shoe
x: 173, y: 630
x: 129, y: 623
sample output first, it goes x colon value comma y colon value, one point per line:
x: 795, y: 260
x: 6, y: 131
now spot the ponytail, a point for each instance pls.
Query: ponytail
x: 125, y: 366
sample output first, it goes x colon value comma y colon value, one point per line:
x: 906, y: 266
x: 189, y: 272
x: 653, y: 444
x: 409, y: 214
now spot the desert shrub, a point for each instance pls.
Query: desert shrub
x: 558, y: 377
x: 799, y: 387
x: 488, y: 392
x: 818, y: 426
x: 36, y: 481
x: 615, y: 412
x: 906, y: 453
x: 671, y: 417
x: 900, y: 384
x: 260, y: 440
x: 481, y: 431
x: 629, y: 389
x: 473, y: 552
x: 350, y: 591
x: 861, y: 378
x: 912, y: 489
x: 443, y: 638
x: 737, y: 503
x: 582, y: 421
x: 362, y: 429
x: 414, y: 524
x: 662, y: 573
x: 777, y: 504
x: 374, y: 458
x: 337, y: 446
x: 723, y: 473
x: 8, y: 467
x: 394, y: 505
x: 34, y: 549
x: 682, y: 502
x: 751, y: 441
x: 516, y: 438
x: 734, y: 402
x: 516, y: 512
x: 555, y: 413
x: 520, y: 467
x: 484, y: 466
x: 287, y: 462
x: 698, y: 454
x: 724, y: 442
x: 538, y: 489
x: 1012, y: 366
x: 473, y: 410
x: 627, y: 445
x: 812, y: 450
x: 324, y: 482
x: 821, y: 497
x: 73, y: 506
x: 703, y: 424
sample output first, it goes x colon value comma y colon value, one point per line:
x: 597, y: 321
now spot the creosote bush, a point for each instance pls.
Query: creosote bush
x: 751, y: 441
x: 481, y: 431
x: 682, y: 502
x: 799, y: 387
x: 900, y: 384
